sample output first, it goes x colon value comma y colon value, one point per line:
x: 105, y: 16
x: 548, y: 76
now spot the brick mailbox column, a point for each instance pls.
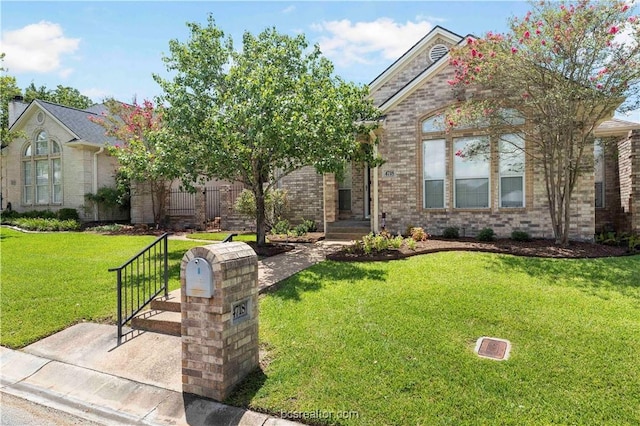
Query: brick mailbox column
x: 219, y: 284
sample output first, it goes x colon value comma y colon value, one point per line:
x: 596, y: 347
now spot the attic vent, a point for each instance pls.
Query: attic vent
x: 437, y: 52
x: 40, y: 117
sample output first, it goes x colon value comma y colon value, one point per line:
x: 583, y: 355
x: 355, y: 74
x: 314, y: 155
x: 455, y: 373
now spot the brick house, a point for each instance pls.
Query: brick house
x: 423, y: 183
x: 60, y: 159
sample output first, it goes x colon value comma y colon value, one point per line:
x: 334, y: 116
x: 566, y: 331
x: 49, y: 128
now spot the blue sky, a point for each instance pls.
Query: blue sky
x: 112, y: 48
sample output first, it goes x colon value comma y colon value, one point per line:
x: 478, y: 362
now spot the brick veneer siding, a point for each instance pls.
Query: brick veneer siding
x: 305, y: 194
x: 400, y: 180
x: 634, y: 193
x: 405, y: 75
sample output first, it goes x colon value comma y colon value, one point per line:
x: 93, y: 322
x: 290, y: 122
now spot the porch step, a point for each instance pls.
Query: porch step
x: 171, y: 303
x: 165, y: 322
x: 346, y: 230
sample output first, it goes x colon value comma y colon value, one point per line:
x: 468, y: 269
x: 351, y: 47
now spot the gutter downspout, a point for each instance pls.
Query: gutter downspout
x: 95, y: 178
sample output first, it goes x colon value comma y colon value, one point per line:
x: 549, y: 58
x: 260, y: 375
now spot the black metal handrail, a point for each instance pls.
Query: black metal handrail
x: 141, y: 279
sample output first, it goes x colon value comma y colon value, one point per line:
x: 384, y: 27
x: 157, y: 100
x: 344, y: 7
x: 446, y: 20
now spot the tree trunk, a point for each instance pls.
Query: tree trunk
x: 258, y: 192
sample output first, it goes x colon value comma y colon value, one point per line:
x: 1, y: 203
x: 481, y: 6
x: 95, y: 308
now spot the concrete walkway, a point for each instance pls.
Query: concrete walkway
x: 81, y: 370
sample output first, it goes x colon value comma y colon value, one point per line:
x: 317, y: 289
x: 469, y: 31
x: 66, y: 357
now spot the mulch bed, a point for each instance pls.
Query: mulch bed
x: 534, y: 248
x: 309, y: 237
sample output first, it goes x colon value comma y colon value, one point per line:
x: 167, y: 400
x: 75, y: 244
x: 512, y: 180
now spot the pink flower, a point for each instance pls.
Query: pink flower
x: 633, y: 19
x: 613, y: 30
x: 513, y: 50
x: 624, y: 8
x: 477, y: 69
x: 474, y: 52
x: 527, y: 34
x: 459, y: 153
x: 469, y: 40
x: 543, y: 42
x: 599, y: 86
x: 538, y: 32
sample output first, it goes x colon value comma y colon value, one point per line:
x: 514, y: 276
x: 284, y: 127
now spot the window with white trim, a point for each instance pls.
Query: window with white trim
x: 511, y: 158
x: 471, y: 172
x: 598, y: 169
x: 41, y: 172
x: 434, y: 172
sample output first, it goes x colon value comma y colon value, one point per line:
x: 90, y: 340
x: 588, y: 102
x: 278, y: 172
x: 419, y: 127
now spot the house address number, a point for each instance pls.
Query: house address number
x: 240, y: 311
x: 389, y: 173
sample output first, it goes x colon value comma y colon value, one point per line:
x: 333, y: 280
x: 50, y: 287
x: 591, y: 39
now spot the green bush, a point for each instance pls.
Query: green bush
x: 68, y: 214
x: 310, y: 225
x: 276, y: 205
x: 300, y: 230
x: 451, y: 232
x: 520, y: 236
x: 486, y: 234
x: 281, y: 227
x: 40, y: 224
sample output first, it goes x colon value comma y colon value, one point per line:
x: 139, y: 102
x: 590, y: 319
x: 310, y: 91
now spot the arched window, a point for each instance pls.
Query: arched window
x: 42, y: 171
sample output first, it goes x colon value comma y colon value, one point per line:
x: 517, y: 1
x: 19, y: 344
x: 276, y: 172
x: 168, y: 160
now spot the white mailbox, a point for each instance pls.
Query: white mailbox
x: 199, y: 278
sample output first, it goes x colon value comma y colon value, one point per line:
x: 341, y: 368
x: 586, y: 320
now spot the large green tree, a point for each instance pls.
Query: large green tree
x: 566, y: 67
x: 62, y: 95
x: 274, y: 105
x: 8, y: 90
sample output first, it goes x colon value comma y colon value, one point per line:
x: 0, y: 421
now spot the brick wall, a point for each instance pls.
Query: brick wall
x: 400, y: 180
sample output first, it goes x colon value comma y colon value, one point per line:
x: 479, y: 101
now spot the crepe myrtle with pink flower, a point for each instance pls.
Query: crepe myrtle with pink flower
x: 563, y: 68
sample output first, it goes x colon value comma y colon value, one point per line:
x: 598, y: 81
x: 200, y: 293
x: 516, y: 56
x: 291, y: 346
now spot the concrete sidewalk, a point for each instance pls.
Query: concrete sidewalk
x: 81, y: 370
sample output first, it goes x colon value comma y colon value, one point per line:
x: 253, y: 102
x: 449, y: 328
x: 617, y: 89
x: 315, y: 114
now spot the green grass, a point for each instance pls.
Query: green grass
x: 394, y: 341
x: 219, y: 236
x: 53, y: 280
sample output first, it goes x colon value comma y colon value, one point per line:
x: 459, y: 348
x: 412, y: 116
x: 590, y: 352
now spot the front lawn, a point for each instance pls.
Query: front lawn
x: 53, y: 280
x: 392, y: 342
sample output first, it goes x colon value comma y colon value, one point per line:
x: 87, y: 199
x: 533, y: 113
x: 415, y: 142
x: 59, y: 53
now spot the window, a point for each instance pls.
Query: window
x: 42, y: 172
x: 511, y: 157
x: 471, y: 172
x: 598, y: 155
x: 433, y: 157
x: 344, y: 189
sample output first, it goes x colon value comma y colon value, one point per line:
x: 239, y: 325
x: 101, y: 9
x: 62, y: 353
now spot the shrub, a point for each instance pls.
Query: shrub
x: 300, y: 230
x: 418, y: 234
x: 68, y: 214
x: 310, y: 225
x: 451, y: 232
x: 411, y: 244
x: 486, y: 234
x: 634, y: 243
x: 276, y: 205
x: 520, y: 236
x: 40, y: 224
x: 396, y: 242
x: 281, y: 227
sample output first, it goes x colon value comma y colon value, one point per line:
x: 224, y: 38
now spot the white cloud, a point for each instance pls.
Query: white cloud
x: 288, y: 9
x: 37, y: 48
x: 350, y: 43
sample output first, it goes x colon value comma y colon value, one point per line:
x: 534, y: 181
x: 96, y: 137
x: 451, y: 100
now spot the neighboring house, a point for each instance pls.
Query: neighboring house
x: 423, y: 183
x: 61, y: 158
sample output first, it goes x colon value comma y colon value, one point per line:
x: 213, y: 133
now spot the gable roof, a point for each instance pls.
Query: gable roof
x: 74, y: 120
x: 410, y: 54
